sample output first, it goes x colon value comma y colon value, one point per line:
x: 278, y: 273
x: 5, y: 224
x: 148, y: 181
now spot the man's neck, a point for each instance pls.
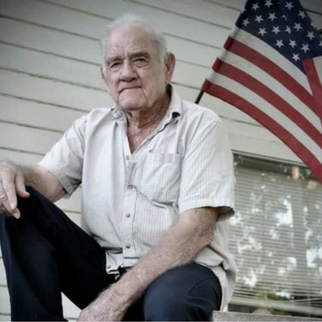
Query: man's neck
x: 142, y: 123
x: 142, y: 120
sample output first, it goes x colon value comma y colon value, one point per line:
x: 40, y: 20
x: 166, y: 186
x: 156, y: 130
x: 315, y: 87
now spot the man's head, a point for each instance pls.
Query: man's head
x: 137, y: 66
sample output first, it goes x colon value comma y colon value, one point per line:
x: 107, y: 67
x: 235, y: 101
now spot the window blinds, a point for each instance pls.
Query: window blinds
x: 276, y: 237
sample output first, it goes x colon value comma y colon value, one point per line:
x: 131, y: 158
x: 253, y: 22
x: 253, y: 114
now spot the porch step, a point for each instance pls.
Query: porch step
x: 234, y: 316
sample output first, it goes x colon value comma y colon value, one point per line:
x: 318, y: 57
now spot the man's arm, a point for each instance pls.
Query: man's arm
x: 13, y: 182
x: 179, y: 246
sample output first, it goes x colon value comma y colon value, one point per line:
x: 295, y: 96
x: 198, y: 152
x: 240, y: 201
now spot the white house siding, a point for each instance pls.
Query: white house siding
x: 49, y: 74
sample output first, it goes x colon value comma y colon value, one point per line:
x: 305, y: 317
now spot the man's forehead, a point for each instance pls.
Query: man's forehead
x: 131, y: 35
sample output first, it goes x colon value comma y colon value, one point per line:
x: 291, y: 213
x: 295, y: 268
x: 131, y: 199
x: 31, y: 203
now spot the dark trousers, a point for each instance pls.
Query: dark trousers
x: 45, y: 254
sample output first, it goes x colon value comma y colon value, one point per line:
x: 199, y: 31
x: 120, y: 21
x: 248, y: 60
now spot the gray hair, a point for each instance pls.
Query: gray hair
x: 129, y: 19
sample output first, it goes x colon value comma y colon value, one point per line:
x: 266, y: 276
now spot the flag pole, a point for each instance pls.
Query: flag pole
x: 199, y: 97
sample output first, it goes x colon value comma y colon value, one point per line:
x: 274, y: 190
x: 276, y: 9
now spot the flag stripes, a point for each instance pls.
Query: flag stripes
x: 272, y: 98
x: 259, y: 81
x: 248, y: 95
x: 274, y: 70
x: 241, y: 64
x: 300, y: 149
x: 315, y: 82
x: 266, y: 50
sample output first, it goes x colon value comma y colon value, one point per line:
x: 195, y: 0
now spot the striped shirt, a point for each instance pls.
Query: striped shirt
x: 130, y: 200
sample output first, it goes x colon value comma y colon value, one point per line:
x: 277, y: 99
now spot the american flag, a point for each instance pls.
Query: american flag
x: 271, y: 68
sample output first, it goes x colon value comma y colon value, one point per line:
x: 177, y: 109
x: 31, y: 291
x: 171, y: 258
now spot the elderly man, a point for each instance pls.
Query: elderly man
x: 157, y: 187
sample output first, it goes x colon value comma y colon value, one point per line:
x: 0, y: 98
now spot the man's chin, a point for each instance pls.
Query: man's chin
x: 130, y: 105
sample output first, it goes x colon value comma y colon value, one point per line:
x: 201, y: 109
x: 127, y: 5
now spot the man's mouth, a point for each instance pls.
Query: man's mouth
x: 129, y: 88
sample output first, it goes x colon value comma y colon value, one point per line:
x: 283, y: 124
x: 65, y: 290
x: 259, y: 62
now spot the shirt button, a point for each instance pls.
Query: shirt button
x: 109, y: 266
x: 130, y: 186
x: 128, y: 215
x: 113, y: 118
x: 127, y: 157
x: 128, y: 246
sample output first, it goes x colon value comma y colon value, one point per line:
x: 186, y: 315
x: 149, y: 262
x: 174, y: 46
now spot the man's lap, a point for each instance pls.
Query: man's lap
x: 192, y: 288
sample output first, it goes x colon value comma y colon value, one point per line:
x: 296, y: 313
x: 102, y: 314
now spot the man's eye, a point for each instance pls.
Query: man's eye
x: 140, y: 61
x: 114, y: 66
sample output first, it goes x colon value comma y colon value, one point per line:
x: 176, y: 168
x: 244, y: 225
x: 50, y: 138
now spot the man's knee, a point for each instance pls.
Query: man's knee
x: 26, y: 204
x: 34, y: 212
x: 165, y: 305
x: 34, y: 196
x: 187, y: 293
x: 6, y: 218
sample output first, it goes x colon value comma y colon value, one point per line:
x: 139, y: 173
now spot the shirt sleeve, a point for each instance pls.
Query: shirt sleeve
x: 207, y: 178
x: 65, y: 159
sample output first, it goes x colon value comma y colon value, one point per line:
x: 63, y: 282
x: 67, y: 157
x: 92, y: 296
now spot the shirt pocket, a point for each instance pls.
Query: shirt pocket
x: 160, y: 176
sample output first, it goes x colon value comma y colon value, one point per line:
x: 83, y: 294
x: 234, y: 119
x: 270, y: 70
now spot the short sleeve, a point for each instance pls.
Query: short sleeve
x: 65, y: 159
x: 207, y: 178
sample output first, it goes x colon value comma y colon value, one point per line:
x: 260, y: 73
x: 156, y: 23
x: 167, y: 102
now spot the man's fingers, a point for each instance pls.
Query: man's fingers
x: 3, y: 210
x: 20, y: 186
x: 6, y: 210
x: 5, y: 207
x: 16, y: 213
x: 4, y: 204
x: 10, y: 191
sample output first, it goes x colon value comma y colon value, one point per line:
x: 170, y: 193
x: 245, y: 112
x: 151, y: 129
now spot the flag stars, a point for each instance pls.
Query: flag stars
x: 288, y: 29
x: 284, y: 17
x: 296, y: 57
x: 255, y: 6
x: 259, y: 19
x: 302, y: 14
x: 297, y: 26
x: 245, y: 22
x: 272, y: 16
x: 279, y: 43
x: 310, y: 35
x: 289, y: 5
x: 305, y: 47
x: 320, y: 44
x: 276, y: 30
x: 268, y: 3
x: 292, y: 43
x: 262, y: 31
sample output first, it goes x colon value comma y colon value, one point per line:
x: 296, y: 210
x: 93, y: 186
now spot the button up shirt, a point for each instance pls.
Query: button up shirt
x: 130, y: 200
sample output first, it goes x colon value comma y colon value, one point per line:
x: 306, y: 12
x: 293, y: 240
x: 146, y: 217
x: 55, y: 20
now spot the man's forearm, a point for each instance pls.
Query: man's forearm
x: 179, y: 246
x: 30, y: 175
x: 42, y: 180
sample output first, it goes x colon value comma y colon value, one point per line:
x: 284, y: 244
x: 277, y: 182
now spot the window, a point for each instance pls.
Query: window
x: 276, y: 236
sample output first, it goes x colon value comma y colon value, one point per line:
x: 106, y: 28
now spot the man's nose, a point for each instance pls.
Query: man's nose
x: 128, y: 72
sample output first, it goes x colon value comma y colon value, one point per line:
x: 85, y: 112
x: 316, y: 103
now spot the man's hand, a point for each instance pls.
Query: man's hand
x: 179, y: 246
x: 107, y: 307
x: 12, y: 184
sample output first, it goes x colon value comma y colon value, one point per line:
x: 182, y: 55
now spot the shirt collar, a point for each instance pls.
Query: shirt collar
x: 175, y: 108
x: 117, y: 114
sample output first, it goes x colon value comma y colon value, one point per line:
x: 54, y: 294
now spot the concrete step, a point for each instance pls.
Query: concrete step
x: 234, y: 316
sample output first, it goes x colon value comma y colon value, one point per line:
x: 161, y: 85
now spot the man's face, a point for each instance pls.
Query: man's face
x: 135, y: 75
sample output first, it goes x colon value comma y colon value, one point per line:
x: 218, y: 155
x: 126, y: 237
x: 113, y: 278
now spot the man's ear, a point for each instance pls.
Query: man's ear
x: 103, y: 76
x: 169, y: 64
